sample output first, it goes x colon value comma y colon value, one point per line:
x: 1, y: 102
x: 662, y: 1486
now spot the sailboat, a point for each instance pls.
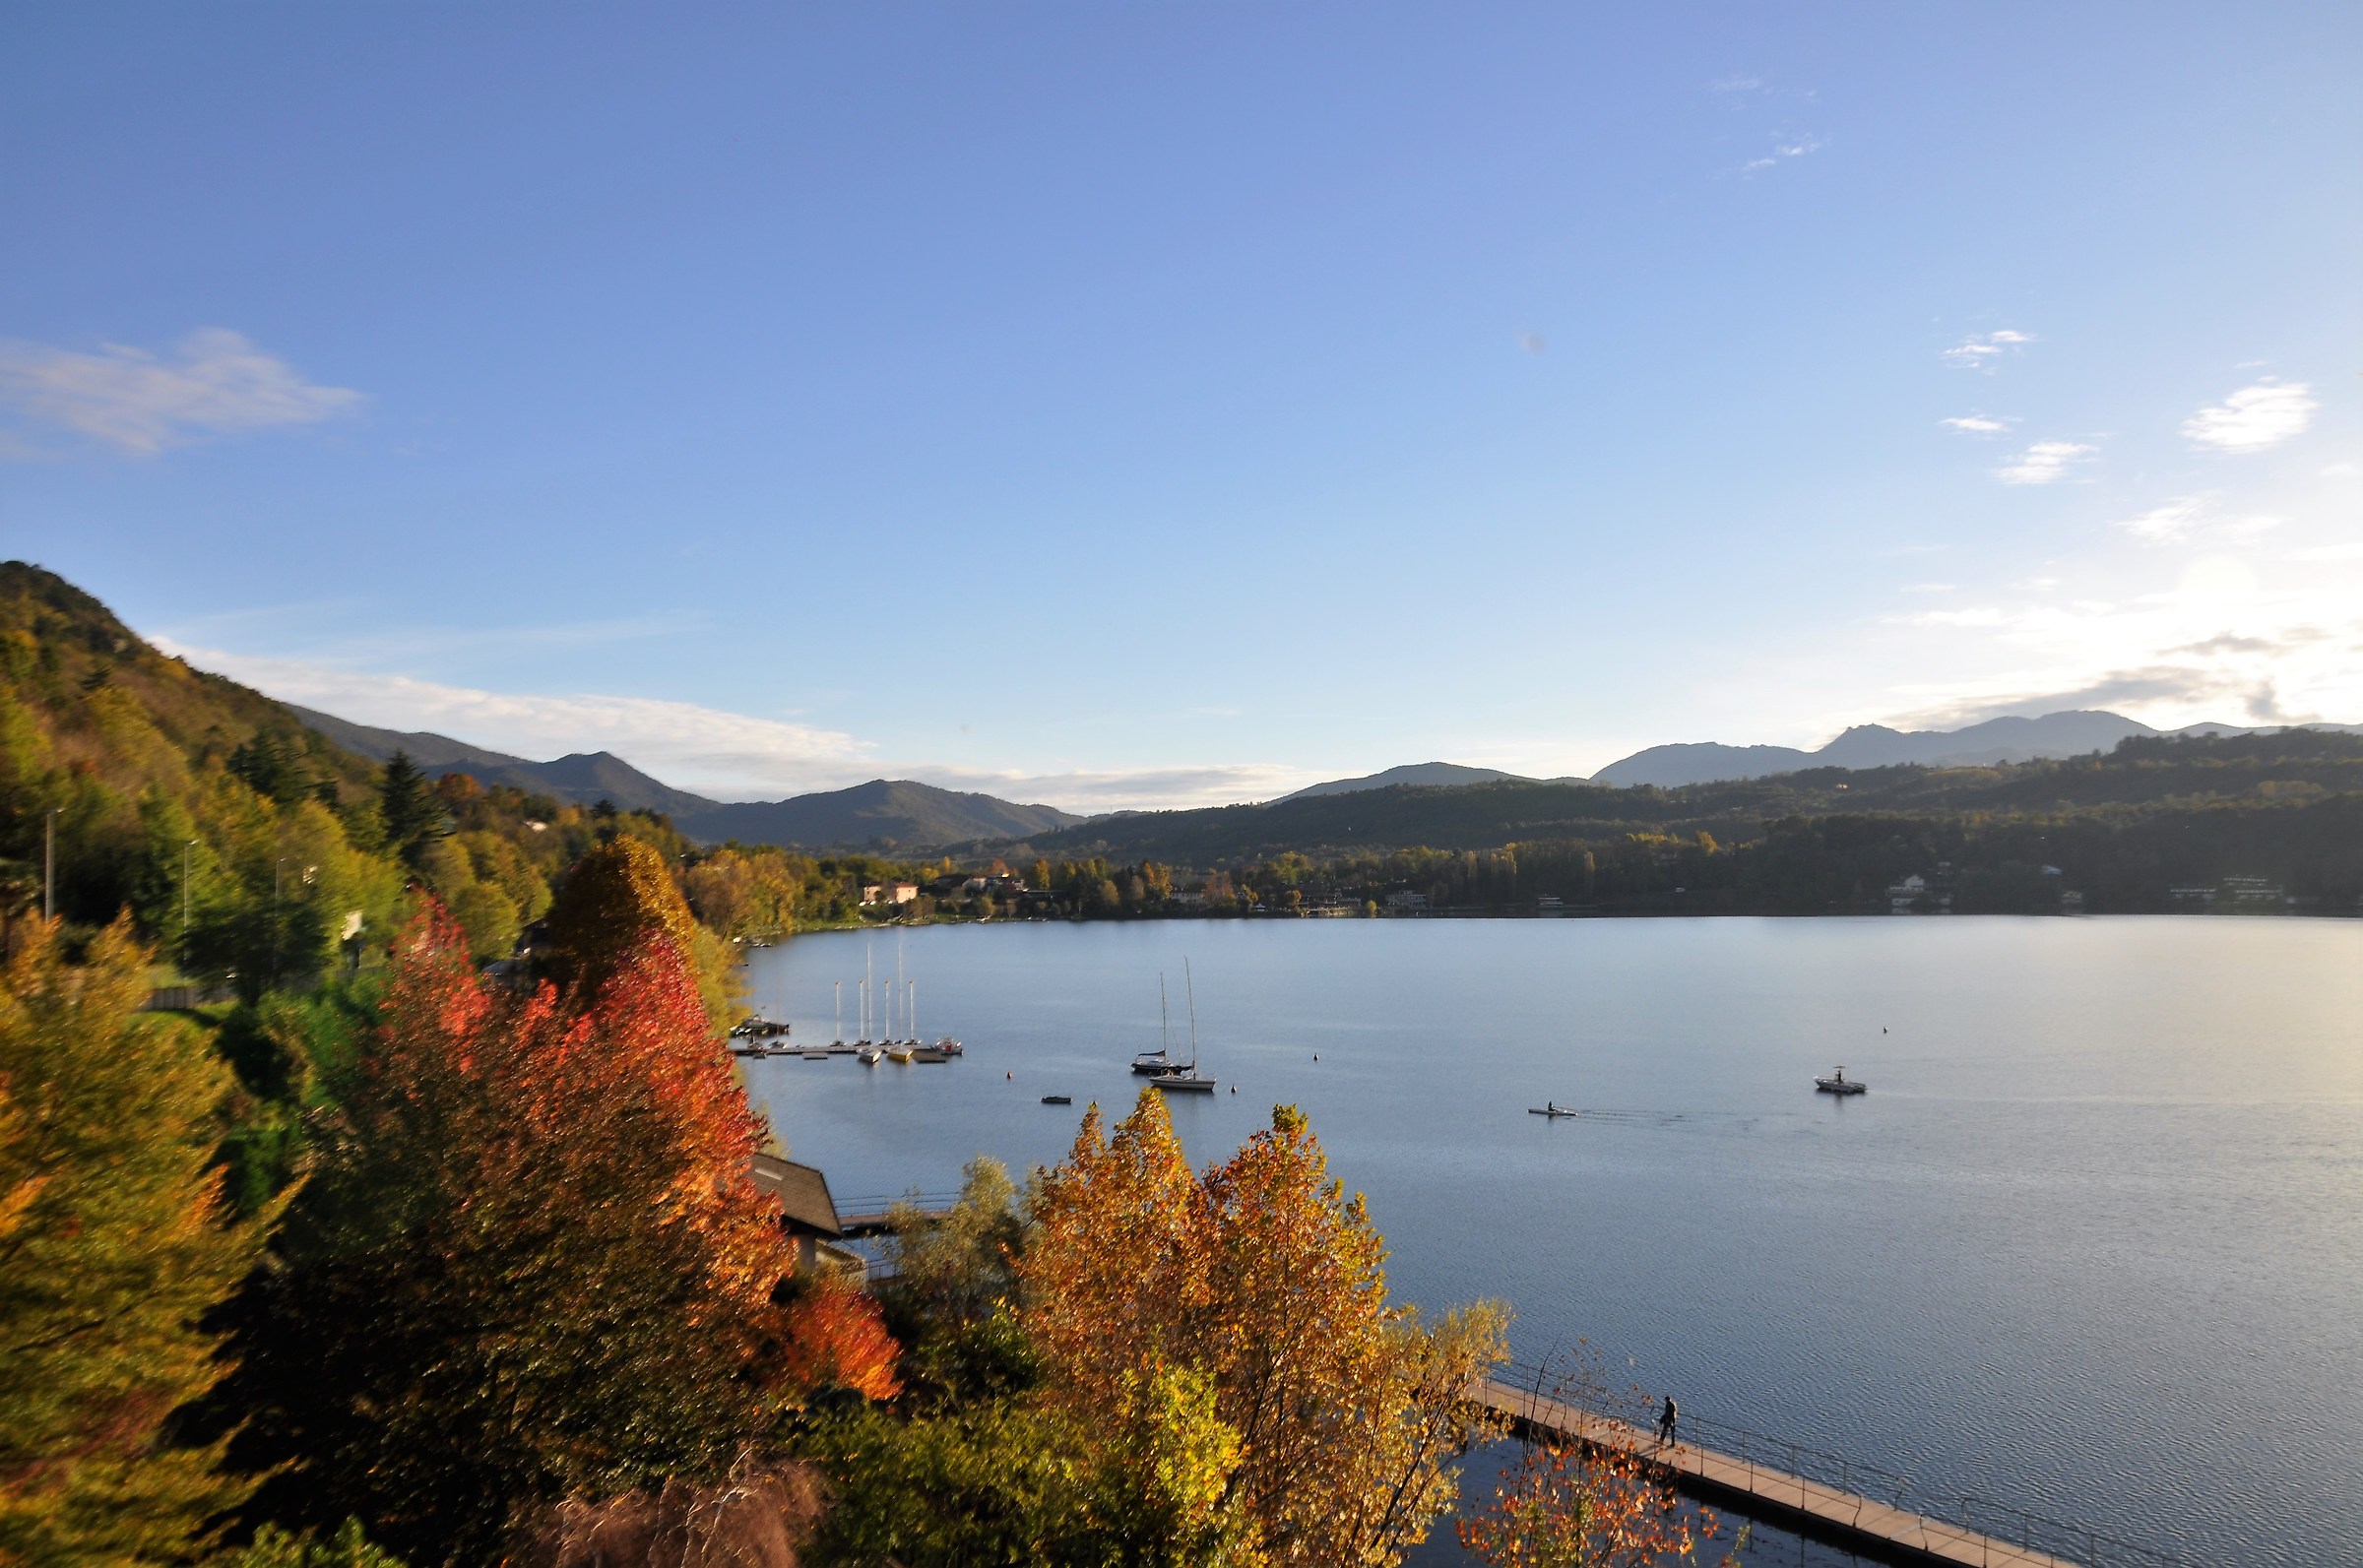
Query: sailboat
x: 919, y: 1052
x: 1160, y: 1060
x: 945, y: 1047
x: 897, y: 1050
x: 1186, y: 1076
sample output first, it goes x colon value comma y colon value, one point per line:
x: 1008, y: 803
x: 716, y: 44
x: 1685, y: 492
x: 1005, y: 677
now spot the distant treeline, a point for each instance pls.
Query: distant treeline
x: 2124, y: 831
x: 2292, y: 766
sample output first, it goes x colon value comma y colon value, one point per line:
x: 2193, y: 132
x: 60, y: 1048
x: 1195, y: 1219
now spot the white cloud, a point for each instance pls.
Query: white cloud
x: 2215, y: 643
x: 1132, y: 790
x: 1928, y: 587
x: 2254, y: 417
x: 2195, y: 516
x: 1794, y: 147
x: 2351, y: 551
x: 216, y: 383
x: 723, y: 755
x: 2045, y: 463
x: 684, y: 744
x: 1979, y: 351
x: 1977, y: 423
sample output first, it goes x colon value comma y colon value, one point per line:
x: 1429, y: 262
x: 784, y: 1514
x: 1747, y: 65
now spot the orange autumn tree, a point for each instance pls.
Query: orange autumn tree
x: 1264, y: 1278
x: 531, y: 1265
x: 836, y: 1337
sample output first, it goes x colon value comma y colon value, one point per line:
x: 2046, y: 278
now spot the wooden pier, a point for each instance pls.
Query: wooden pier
x: 1831, y: 1514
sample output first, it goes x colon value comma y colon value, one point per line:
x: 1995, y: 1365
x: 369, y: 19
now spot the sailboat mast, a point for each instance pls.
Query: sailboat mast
x: 1194, y: 1015
x: 911, y: 1010
x: 838, y: 988
x: 1164, y: 1024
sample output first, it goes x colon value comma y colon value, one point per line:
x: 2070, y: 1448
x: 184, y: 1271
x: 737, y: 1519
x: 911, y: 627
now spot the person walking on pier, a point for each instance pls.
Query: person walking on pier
x: 1665, y: 1421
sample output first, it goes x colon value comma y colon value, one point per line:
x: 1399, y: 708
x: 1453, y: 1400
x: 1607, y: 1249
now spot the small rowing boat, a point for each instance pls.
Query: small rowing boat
x: 1057, y: 1099
x: 1552, y: 1108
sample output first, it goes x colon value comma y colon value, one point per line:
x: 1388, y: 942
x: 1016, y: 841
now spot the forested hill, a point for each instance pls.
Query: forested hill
x: 884, y: 813
x: 245, y: 844
x: 2139, y: 775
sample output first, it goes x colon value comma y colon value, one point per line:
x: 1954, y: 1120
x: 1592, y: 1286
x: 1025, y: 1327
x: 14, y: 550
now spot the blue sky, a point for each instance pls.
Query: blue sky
x: 1134, y: 404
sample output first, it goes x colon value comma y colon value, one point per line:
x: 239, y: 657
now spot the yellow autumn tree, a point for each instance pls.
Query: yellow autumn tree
x: 113, y: 1243
x: 1263, y: 1277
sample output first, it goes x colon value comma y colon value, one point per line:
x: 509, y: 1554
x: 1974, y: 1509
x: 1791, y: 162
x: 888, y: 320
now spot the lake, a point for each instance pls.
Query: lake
x: 2092, y: 1245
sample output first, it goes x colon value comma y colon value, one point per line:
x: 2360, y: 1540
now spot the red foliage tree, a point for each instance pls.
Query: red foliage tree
x: 531, y: 1265
x: 837, y: 1338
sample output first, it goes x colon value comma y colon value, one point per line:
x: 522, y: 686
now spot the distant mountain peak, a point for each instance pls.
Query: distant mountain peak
x: 2070, y: 733
x: 1420, y: 775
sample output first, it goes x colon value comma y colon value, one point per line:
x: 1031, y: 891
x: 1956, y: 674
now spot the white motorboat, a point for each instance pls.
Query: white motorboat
x: 1838, y: 1083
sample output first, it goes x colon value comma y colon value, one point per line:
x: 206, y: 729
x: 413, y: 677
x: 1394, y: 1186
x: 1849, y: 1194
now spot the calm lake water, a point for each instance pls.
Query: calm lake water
x: 2092, y: 1245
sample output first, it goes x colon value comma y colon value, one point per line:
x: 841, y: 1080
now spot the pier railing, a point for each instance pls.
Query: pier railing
x: 1871, y: 1483
x: 872, y: 1203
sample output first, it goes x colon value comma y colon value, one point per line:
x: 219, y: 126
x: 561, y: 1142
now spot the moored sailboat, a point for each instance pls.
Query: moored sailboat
x: 1185, y: 1076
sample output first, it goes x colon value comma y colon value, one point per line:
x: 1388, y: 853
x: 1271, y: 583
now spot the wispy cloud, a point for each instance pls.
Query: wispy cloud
x: 1980, y: 350
x: 215, y: 383
x: 685, y: 745
x: 2045, y: 463
x: 1786, y: 148
x: 1978, y: 424
x: 1131, y: 790
x: 2193, y: 517
x: 724, y: 755
x: 2214, y: 644
x: 2351, y: 551
x: 1735, y: 83
x: 2254, y: 417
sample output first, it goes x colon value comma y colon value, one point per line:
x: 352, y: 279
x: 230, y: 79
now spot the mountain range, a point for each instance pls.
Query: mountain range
x: 900, y: 814
x: 2071, y: 733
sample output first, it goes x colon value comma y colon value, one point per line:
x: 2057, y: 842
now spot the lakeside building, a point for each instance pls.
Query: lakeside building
x: 1407, y: 902
x: 807, y: 1212
x: 889, y: 892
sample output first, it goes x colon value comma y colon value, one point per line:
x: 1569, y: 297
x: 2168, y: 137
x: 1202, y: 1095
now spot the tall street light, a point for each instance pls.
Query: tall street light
x: 187, y: 846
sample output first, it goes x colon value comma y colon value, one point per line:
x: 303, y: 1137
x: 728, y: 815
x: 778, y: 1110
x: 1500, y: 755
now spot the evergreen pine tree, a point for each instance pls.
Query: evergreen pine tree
x: 407, y: 808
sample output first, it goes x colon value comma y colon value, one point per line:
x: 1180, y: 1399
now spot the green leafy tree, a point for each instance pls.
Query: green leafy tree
x: 274, y: 1547
x: 113, y: 1243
